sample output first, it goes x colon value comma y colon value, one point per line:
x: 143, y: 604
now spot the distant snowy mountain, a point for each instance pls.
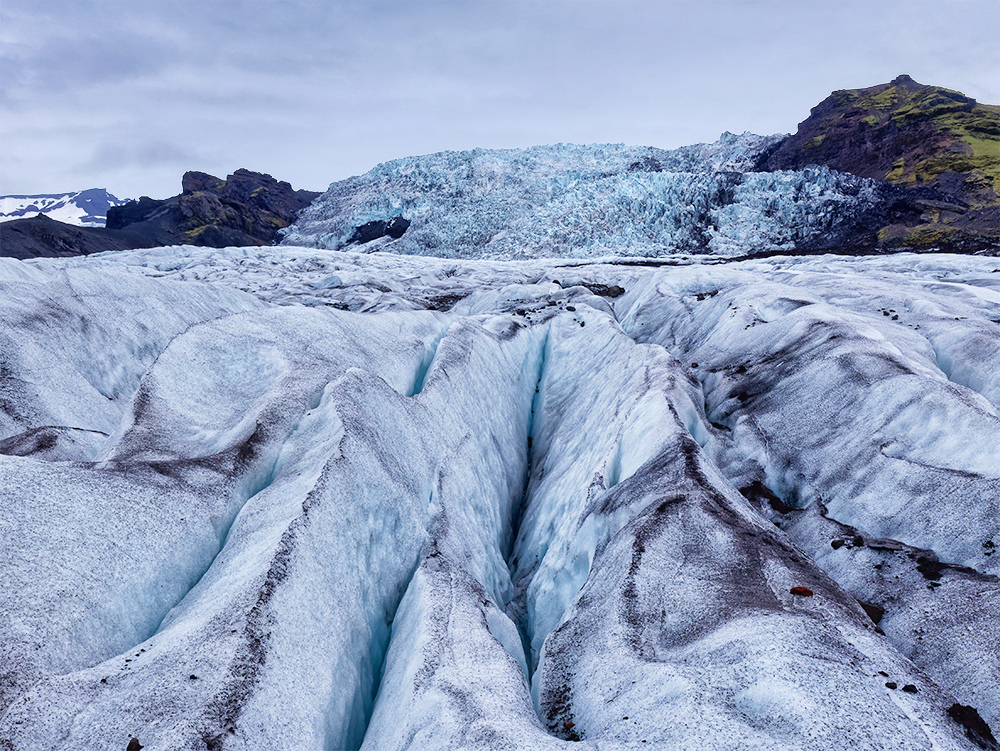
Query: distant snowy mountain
x: 287, y: 498
x: 87, y: 208
x: 590, y: 201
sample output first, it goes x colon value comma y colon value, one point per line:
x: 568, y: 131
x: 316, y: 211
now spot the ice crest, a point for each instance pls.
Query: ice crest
x: 586, y: 201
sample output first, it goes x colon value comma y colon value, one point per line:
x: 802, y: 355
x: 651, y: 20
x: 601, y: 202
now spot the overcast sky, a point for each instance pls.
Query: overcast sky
x: 129, y: 94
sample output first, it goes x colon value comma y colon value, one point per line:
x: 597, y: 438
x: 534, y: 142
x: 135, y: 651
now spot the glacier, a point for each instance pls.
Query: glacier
x: 567, y: 200
x: 293, y: 497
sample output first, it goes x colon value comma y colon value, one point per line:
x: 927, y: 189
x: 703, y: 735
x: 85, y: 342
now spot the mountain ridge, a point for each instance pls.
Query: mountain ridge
x: 894, y: 167
x: 916, y: 136
x: 247, y: 208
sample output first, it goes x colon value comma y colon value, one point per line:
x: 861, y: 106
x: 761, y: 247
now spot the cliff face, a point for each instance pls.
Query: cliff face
x: 916, y: 136
x: 247, y: 208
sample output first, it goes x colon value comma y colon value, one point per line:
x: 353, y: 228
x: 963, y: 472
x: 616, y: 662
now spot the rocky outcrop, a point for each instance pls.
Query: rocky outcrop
x: 394, y: 228
x: 939, y: 143
x: 247, y: 208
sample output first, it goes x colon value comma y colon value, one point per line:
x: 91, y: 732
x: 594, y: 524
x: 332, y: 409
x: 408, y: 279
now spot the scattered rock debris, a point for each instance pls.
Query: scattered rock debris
x: 605, y: 290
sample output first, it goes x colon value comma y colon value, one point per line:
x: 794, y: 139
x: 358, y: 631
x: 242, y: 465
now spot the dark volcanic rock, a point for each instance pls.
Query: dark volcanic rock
x: 132, y: 212
x: 975, y: 726
x: 192, y: 182
x: 41, y: 237
x: 394, y: 228
x: 915, y: 137
x: 648, y: 164
x: 875, y: 612
x: 604, y: 290
x: 247, y: 208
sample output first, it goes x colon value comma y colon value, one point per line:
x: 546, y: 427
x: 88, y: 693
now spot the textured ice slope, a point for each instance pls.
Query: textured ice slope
x: 322, y: 500
x: 587, y: 201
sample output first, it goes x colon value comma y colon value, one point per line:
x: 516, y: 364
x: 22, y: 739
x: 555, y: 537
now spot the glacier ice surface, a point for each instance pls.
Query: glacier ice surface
x: 567, y: 200
x: 297, y: 498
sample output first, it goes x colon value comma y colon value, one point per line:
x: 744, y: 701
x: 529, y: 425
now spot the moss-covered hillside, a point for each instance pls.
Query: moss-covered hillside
x: 916, y: 136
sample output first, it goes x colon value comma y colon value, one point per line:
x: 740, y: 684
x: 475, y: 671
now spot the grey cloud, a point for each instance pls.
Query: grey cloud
x: 314, y: 90
x: 113, y: 156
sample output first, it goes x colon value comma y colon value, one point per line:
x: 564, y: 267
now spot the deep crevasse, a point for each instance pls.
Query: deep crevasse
x: 590, y: 569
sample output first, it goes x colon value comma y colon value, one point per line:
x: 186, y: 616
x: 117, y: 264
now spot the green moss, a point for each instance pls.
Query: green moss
x: 927, y: 235
x: 937, y: 131
x: 972, y: 132
x: 895, y: 175
x: 888, y: 233
x: 193, y: 233
x: 258, y: 192
x: 843, y: 97
x: 933, y: 107
x: 982, y: 173
x: 981, y: 145
x: 883, y: 100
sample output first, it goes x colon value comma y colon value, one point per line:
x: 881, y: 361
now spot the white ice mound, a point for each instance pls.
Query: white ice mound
x: 586, y: 201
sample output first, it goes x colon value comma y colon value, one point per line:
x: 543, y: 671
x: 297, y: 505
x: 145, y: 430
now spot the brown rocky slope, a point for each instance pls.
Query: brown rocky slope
x: 247, y: 208
x: 916, y: 136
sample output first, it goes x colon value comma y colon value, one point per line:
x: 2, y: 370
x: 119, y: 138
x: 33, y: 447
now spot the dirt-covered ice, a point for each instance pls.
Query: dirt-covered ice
x: 271, y: 498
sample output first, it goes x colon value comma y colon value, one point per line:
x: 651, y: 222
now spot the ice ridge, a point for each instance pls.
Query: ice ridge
x: 587, y: 201
x: 365, y: 501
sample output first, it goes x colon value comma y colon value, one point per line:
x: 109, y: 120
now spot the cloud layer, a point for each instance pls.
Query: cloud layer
x: 129, y: 95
